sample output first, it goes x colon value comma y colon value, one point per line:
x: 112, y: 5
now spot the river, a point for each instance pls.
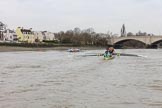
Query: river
x: 59, y: 79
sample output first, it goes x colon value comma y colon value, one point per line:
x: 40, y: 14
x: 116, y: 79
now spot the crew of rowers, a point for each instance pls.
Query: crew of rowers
x: 109, y: 52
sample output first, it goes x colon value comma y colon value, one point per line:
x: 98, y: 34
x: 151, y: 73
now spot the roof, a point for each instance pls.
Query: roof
x: 10, y: 31
x: 26, y: 30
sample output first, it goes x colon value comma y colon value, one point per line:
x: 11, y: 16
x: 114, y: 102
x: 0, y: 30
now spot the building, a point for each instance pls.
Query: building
x: 9, y: 35
x: 48, y: 35
x: 38, y: 36
x: 25, y: 35
x: 123, y: 31
x: 44, y: 35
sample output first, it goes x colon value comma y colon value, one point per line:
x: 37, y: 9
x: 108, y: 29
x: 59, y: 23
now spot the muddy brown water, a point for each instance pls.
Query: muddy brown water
x: 59, y: 79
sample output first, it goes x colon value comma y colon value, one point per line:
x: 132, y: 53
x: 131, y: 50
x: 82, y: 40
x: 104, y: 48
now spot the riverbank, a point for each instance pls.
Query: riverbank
x: 10, y: 47
x: 13, y: 49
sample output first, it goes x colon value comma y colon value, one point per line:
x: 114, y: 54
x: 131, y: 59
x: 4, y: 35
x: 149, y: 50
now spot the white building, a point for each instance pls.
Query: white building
x: 38, y: 35
x: 44, y: 35
x: 9, y: 35
x: 48, y: 35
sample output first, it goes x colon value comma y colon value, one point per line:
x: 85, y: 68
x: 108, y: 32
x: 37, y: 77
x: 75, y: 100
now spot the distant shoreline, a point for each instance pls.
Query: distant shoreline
x: 12, y: 47
x: 15, y: 49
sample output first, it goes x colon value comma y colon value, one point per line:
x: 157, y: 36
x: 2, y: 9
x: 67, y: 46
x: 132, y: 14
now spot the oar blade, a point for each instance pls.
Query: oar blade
x: 123, y: 54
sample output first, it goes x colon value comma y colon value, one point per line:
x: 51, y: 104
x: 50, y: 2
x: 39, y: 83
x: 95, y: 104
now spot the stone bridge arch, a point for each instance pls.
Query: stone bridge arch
x: 135, y: 38
x: 156, y: 39
x: 125, y: 40
x: 146, y: 40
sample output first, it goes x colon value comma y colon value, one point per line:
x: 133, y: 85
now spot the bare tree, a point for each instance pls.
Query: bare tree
x: 2, y: 28
x: 130, y: 34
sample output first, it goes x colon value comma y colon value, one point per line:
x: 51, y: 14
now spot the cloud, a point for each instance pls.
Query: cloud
x: 102, y: 15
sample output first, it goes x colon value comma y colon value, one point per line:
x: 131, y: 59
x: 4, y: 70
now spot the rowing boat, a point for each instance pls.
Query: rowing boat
x: 109, y: 58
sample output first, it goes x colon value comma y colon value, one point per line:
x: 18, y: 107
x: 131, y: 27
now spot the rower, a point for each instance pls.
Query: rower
x: 109, y: 52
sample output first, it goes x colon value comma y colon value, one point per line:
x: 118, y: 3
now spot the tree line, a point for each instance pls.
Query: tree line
x: 83, y: 37
x: 139, y: 34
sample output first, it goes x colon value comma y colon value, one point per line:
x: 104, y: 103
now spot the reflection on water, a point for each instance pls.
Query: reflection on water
x: 58, y: 79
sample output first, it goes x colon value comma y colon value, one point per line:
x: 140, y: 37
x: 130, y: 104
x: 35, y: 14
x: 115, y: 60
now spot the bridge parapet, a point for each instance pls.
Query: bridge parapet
x: 148, y: 40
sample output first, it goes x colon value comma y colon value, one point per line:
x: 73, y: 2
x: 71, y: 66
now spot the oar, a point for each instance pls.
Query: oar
x: 118, y: 54
x: 93, y: 54
x: 123, y: 54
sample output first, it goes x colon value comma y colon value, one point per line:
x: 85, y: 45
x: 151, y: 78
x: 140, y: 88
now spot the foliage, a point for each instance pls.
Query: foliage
x: 50, y: 41
x: 83, y: 37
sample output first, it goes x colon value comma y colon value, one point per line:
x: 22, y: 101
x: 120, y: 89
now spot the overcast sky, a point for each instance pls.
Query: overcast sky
x: 102, y: 15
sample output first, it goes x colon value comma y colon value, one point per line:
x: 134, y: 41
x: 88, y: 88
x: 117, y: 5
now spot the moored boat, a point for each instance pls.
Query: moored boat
x: 73, y: 50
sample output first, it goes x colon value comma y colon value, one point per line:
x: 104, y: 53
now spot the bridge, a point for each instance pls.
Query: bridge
x: 147, y: 40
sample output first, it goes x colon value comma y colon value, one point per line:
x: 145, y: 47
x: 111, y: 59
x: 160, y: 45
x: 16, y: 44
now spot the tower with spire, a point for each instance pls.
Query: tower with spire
x: 123, y: 31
